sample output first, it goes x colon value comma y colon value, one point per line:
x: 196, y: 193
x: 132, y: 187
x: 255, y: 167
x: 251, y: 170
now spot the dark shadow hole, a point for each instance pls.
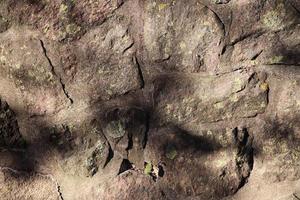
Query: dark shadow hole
x: 125, y: 165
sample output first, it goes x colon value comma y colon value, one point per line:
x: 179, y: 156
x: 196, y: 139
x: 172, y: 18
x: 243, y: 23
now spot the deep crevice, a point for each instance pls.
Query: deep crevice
x: 139, y: 72
x: 110, y: 152
x: 127, y: 48
x: 145, y: 139
x: 257, y: 55
x: 125, y: 165
x: 244, y: 155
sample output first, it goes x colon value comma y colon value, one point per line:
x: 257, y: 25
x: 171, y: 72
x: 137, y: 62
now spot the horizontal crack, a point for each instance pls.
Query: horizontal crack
x: 229, y: 72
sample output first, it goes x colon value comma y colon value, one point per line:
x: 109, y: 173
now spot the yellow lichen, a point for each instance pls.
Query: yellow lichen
x: 234, y: 98
x: 46, y: 28
x: 182, y: 45
x: 297, y: 103
x: 219, y: 105
x: 63, y: 9
x: 264, y: 86
x: 148, y: 168
x: 72, y: 28
x: 222, y: 161
x: 275, y: 60
x: 283, y: 147
x: 274, y: 19
x: 2, y: 59
x: 237, y: 84
x: 162, y: 6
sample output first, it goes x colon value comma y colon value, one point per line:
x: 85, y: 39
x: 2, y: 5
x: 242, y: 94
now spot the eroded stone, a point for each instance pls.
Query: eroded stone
x: 222, y: 164
x: 126, y: 130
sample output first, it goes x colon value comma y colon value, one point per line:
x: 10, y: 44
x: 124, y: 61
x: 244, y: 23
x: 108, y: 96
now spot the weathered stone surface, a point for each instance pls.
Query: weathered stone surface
x: 101, y: 65
x: 221, y: 160
x: 132, y: 185
x: 82, y: 146
x: 209, y: 99
x: 117, y: 72
x: 180, y: 36
x: 25, y: 64
x: 21, y: 185
x: 150, y: 99
x: 60, y: 20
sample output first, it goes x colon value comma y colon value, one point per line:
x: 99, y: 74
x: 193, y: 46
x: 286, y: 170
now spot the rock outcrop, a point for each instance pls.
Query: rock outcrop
x: 156, y: 99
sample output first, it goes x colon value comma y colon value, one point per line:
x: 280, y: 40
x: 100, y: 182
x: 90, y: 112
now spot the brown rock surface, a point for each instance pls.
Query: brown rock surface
x: 156, y: 99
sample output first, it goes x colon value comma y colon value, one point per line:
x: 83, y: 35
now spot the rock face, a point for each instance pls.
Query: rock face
x: 151, y: 99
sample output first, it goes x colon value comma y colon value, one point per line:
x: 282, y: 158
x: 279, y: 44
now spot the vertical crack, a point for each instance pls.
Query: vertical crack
x: 65, y: 91
x: 59, y: 192
x: 55, y: 74
x: 135, y: 60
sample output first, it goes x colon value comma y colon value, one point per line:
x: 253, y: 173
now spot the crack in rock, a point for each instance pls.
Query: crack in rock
x: 140, y: 72
x: 55, y: 74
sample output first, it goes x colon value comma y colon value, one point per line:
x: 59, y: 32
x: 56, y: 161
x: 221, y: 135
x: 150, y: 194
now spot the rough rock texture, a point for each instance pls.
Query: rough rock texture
x: 156, y: 99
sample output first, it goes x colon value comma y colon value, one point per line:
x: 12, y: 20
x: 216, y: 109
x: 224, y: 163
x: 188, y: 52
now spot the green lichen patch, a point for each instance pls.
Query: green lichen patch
x: 63, y: 9
x: 162, y: 6
x: 275, y: 60
x: 70, y: 30
x: 148, y: 168
x: 116, y: 129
